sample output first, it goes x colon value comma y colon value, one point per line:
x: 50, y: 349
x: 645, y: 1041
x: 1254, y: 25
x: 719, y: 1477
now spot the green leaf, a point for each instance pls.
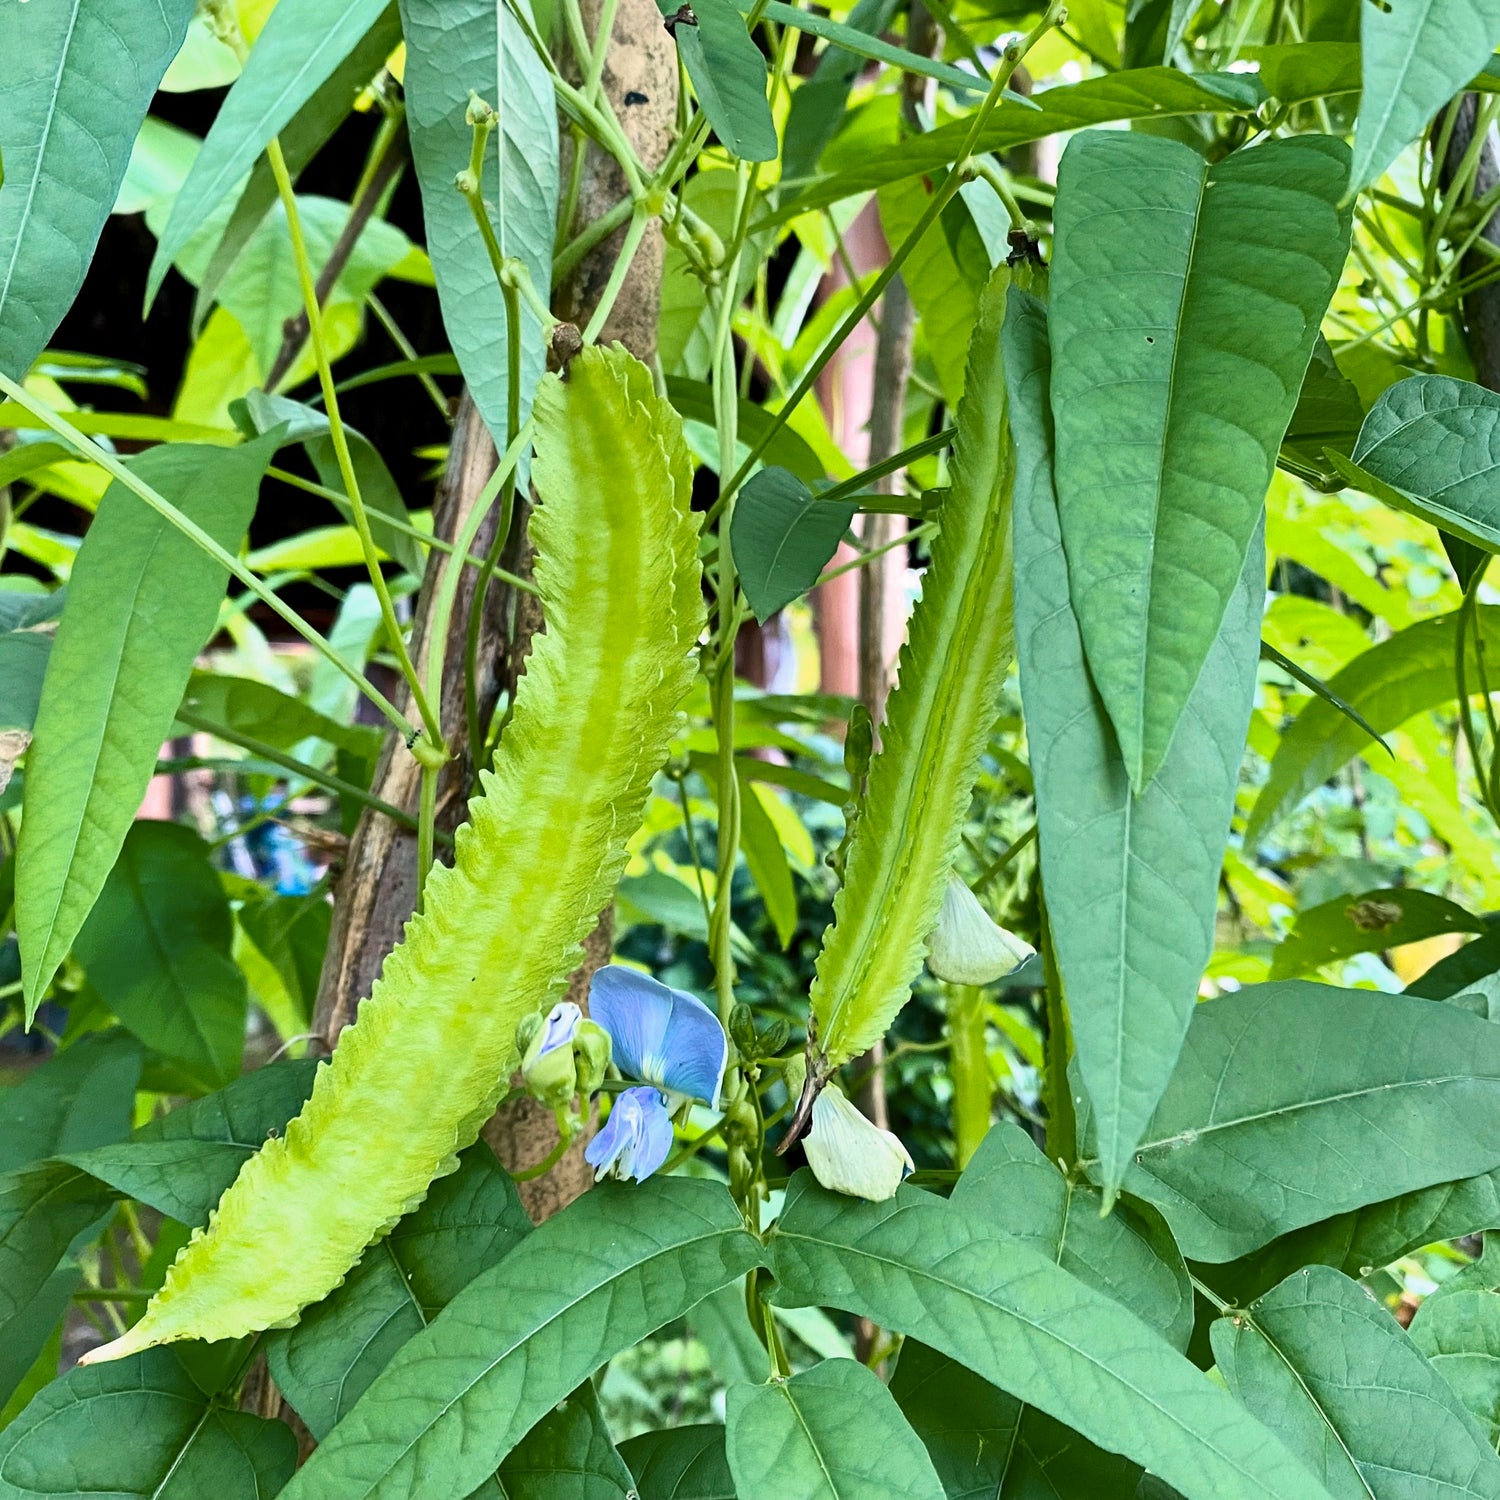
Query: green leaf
x: 1461, y: 970
x: 454, y: 46
x: 1414, y: 58
x: 569, y: 1453
x: 82, y: 1097
x: 721, y: 1323
x: 157, y: 945
x: 987, y: 1445
x: 940, y: 1274
x: 1367, y: 923
x: 1328, y: 415
x: 1406, y: 675
x: 140, y: 1428
x: 307, y: 133
x: 1459, y: 1332
x: 1136, y: 94
x: 1315, y: 685
x: 694, y: 399
x: 1321, y: 1361
x: 291, y: 933
x: 783, y: 538
x: 261, y: 712
x: 142, y: 600
x: 302, y: 44
x: 81, y: 76
x: 831, y: 1433
x: 680, y: 1463
x: 24, y: 655
x: 1132, y: 881
x: 467, y: 1223
x: 598, y: 1277
x: 377, y: 487
x: 1185, y: 299
x: 729, y: 75
x: 31, y: 1343
x: 1396, y: 1092
x: 767, y: 861
x: 1129, y: 1254
x: 1429, y: 447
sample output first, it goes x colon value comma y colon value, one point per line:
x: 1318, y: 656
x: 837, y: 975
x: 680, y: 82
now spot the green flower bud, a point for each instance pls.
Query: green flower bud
x: 591, y: 1048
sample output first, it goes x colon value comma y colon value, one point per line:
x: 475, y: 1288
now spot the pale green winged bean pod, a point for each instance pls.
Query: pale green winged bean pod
x: 414, y: 1078
x: 959, y: 646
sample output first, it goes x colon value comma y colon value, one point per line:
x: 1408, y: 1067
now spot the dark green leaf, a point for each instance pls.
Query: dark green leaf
x: 1185, y: 298
x: 729, y: 75
x: 937, y: 1272
x: 1321, y: 1361
x: 594, y: 1279
x: 30, y: 1342
x: 256, y: 709
x: 302, y: 44
x: 454, y: 46
x: 568, y: 1455
x: 80, y: 1098
x: 157, y: 946
x: 1129, y: 1255
x: 1368, y: 923
x: 1459, y: 1332
x: 142, y: 600
x: 1328, y: 415
x: 783, y: 538
x: 291, y: 932
x: 467, y: 1223
x: 140, y: 1427
x: 831, y: 1433
x: 1416, y: 56
x: 680, y: 1463
x: 987, y: 1445
x: 1397, y: 1093
x: 1408, y: 674
x: 1132, y: 881
x: 1138, y: 94
x: 1313, y: 684
x: 1459, y: 971
x: 81, y: 74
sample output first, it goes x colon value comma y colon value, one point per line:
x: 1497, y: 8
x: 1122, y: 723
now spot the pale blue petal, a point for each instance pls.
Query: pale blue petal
x: 559, y: 1027
x: 634, y: 1009
x: 636, y: 1139
x: 696, y: 1051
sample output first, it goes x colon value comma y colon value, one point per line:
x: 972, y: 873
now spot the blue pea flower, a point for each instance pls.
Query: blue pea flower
x: 636, y: 1139
x: 659, y: 1035
x: 558, y: 1029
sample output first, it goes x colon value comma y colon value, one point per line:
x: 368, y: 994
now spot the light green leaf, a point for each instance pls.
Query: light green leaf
x: 81, y: 76
x: 468, y: 1223
x: 680, y: 1463
x: 156, y: 946
x: 938, y: 1273
x: 1408, y: 674
x: 1367, y: 923
x: 1132, y: 881
x: 598, y: 1277
x: 767, y: 861
x: 142, y: 1428
x: 454, y: 46
x: 1415, y: 56
x: 1321, y: 1361
x: 783, y: 538
x: 142, y: 601
x: 831, y: 1433
x: 161, y: 158
x: 301, y: 140
x: 987, y: 1445
x: 1459, y: 1332
x: 1135, y: 94
x: 82, y: 1097
x: 694, y: 399
x: 291, y: 934
x: 1185, y: 298
x: 1397, y: 1093
x: 302, y: 44
x: 1430, y: 447
x: 729, y: 75
x: 1129, y: 1255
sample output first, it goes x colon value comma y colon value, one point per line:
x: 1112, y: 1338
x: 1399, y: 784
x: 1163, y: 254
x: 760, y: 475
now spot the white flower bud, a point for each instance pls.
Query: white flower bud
x: 967, y: 946
x: 849, y: 1155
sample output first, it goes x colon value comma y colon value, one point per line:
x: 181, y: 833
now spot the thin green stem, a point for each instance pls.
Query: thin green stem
x: 408, y: 351
x: 112, y: 466
x: 618, y: 272
x: 546, y: 1164
x: 566, y: 259
x: 336, y: 432
x: 917, y: 533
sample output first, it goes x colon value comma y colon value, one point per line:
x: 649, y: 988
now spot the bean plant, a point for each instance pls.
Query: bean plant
x: 1066, y: 1068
